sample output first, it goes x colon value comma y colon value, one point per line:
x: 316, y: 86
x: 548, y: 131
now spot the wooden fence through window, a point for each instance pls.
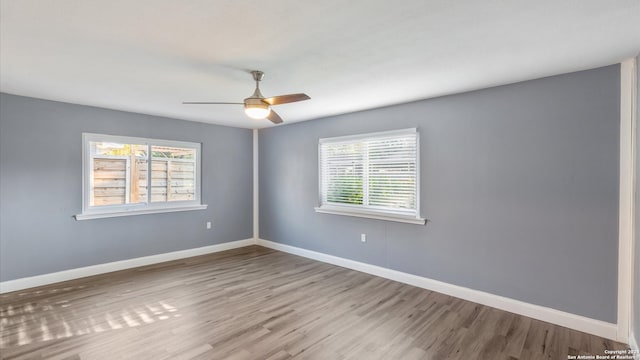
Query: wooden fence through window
x: 123, y: 180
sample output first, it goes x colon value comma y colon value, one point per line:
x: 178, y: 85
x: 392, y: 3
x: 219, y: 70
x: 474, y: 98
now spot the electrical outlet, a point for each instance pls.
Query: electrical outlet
x: 208, y: 224
x: 363, y: 237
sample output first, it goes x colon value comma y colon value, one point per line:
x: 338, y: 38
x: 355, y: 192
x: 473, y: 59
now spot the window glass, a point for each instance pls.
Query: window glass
x: 173, y: 173
x: 371, y: 172
x: 118, y: 173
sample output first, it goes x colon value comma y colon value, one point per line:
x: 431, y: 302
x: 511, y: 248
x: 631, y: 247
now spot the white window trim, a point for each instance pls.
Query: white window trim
x: 363, y: 213
x: 371, y: 212
x: 137, y: 212
x: 107, y: 211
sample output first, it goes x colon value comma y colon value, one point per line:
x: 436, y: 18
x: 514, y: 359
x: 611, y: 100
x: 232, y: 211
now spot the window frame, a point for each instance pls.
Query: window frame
x: 367, y: 211
x: 148, y: 207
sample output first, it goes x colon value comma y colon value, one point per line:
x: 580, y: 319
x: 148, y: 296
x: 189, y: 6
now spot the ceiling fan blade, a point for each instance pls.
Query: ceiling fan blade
x: 210, y: 103
x: 274, y: 117
x: 284, y: 99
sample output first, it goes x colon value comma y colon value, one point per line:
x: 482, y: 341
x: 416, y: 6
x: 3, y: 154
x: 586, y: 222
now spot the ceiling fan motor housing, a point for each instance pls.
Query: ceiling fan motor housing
x: 255, y: 102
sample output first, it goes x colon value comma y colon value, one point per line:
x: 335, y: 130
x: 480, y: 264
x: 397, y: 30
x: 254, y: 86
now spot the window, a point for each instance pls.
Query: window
x: 128, y: 176
x: 371, y: 175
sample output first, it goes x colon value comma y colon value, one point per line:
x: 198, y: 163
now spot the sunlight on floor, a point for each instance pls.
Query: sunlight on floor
x: 35, y: 322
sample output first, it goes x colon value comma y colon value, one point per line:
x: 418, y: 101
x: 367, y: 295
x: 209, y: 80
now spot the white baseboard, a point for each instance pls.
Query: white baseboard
x: 46, y: 279
x: 572, y: 321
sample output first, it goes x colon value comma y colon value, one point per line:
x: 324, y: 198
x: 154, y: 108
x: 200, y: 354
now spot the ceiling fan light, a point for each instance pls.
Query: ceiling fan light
x: 257, y: 113
x: 258, y: 110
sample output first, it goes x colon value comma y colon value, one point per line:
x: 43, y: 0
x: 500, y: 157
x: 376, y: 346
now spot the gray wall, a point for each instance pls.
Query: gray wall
x: 41, y: 188
x: 519, y: 183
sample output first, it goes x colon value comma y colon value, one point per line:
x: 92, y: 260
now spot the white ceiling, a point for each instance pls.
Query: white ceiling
x: 148, y: 56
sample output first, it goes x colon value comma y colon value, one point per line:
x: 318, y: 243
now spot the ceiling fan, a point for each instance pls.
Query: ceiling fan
x: 257, y: 106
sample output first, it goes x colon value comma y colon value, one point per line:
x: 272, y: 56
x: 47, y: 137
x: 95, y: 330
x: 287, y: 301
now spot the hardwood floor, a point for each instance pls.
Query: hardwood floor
x: 257, y: 303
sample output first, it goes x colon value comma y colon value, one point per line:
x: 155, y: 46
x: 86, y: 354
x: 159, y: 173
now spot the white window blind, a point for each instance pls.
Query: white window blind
x: 371, y: 174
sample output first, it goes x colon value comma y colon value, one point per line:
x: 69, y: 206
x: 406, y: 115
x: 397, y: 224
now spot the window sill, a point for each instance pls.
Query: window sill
x: 371, y: 215
x: 91, y: 216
